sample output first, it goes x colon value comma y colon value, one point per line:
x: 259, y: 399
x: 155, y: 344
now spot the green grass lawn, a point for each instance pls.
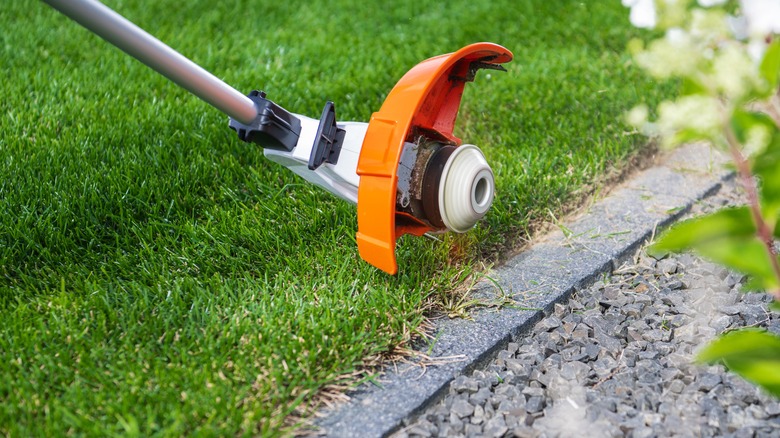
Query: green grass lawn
x: 158, y: 275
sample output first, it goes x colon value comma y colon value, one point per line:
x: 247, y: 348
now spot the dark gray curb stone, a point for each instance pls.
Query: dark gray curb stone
x: 547, y: 273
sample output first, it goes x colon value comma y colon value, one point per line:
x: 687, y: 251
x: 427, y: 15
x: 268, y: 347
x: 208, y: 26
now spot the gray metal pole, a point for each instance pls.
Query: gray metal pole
x: 122, y: 33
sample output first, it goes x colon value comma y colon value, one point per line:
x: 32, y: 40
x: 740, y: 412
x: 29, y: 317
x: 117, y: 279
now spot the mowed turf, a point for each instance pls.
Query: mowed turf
x: 159, y: 276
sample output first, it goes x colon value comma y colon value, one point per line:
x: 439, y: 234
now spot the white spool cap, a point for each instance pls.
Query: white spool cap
x: 466, y: 188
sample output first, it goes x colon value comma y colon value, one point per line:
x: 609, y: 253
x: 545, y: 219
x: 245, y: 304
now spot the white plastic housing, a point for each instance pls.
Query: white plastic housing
x: 341, y: 178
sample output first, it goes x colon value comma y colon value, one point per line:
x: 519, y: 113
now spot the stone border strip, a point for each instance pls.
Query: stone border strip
x: 595, y: 243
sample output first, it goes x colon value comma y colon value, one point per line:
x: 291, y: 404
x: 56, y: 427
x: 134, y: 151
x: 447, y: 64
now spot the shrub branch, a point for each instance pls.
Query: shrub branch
x: 763, y: 230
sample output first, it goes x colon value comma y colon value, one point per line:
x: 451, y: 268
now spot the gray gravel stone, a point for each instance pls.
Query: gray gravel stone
x: 462, y: 408
x: 549, y: 323
x: 604, y: 366
x: 465, y: 384
x: 496, y: 427
x: 667, y: 266
x: 773, y: 409
x: 707, y: 381
x: 509, y: 391
x: 675, y: 284
x: 481, y: 396
x: 574, y: 371
x: 473, y: 430
x: 479, y: 415
x: 535, y: 404
x: 531, y: 391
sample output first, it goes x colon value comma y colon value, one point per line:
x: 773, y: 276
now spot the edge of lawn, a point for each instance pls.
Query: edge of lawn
x: 453, y: 299
x: 594, y: 239
x: 474, y: 264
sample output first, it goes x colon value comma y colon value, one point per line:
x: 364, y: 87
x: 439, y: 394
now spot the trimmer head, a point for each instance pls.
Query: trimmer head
x: 414, y: 175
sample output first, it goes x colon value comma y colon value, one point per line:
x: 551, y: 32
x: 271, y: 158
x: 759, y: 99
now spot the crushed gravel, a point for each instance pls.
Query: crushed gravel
x: 617, y: 360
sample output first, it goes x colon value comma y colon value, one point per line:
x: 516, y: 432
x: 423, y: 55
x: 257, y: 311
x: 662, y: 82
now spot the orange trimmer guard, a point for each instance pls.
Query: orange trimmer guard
x: 424, y: 102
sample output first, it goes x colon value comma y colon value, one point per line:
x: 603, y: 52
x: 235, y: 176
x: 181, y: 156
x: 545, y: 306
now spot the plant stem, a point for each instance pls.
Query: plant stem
x: 774, y: 107
x: 763, y: 231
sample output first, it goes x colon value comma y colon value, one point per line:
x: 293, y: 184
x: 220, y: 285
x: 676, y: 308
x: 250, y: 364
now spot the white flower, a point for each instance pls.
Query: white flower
x: 642, y: 14
x: 672, y: 13
x: 733, y: 72
x: 637, y: 117
x: 676, y: 35
x: 756, y: 49
x: 696, y: 114
x: 763, y: 16
x: 757, y: 139
x: 710, y: 25
x: 711, y: 3
x: 674, y: 55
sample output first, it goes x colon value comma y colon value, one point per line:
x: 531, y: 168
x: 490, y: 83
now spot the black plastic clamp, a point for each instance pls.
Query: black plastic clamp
x: 328, y: 140
x: 274, y: 127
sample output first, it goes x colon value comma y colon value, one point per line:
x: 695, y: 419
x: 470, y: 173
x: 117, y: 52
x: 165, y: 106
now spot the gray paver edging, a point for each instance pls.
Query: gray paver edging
x: 546, y: 273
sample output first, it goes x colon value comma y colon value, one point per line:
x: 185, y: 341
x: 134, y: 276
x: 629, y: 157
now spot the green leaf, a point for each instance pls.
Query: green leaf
x: 774, y: 306
x: 766, y: 162
x: 687, y: 135
x: 752, y: 353
x: 691, y: 86
x: 770, y: 65
x: 727, y: 237
x: 753, y: 285
x: 743, y: 121
x: 692, y: 233
x: 747, y: 255
x: 766, y: 166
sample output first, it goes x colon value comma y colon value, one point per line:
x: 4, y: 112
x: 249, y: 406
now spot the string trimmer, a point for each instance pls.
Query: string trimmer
x: 405, y: 170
